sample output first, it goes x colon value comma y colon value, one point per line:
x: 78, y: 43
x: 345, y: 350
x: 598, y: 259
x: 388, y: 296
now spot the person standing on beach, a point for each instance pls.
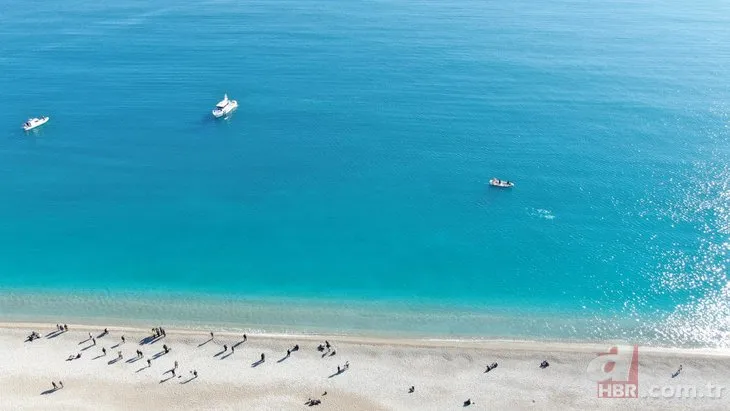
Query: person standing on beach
x: 149, y: 363
x: 244, y: 337
x: 60, y: 383
x: 103, y: 350
x: 263, y: 357
x: 54, y: 385
x: 123, y: 340
x: 175, y: 365
x: 93, y: 341
x: 225, y: 348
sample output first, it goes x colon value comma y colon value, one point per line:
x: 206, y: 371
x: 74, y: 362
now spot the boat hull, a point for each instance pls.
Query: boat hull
x: 42, y: 121
x: 501, y: 184
x: 230, y: 108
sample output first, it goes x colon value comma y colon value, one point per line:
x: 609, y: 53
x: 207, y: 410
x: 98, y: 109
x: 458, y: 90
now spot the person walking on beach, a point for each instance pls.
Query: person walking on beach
x: 225, y: 348
x: 54, y: 385
x: 123, y: 340
x: 93, y: 341
x: 149, y: 363
x: 103, y: 351
x: 211, y: 335
x: 65, y: 327
x: 60, y: 383
x: 263, y: 357
x: 244, y: 337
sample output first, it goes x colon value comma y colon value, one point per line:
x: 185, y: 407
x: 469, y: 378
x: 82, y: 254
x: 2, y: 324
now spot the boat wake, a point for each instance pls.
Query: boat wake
x: 541, y: 213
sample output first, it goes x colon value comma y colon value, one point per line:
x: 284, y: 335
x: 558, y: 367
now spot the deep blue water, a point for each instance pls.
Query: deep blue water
x: 355, y: 168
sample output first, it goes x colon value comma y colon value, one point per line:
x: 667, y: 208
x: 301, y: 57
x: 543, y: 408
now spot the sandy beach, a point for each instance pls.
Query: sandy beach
x: 444, y: 374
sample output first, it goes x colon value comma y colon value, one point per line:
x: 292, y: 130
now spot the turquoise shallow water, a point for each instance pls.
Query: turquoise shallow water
x: 354, y: 172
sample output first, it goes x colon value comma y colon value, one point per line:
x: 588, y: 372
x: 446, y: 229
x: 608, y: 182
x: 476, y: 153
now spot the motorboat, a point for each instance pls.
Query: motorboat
x: 495, y: 182
x: 35, y: 122
x: 224, y: 107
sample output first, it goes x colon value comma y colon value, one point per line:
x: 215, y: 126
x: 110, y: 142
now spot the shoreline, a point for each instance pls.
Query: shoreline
x: 377, y: 340
x: 386, y: 319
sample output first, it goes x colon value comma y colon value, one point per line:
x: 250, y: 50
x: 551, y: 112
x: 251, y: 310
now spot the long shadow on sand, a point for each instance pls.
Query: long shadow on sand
x: 158, y: 355
x: 336, y: 373
x: 54, y: 334
x: 150, y: 339
x: 257, y: 363
x: 188, y: 380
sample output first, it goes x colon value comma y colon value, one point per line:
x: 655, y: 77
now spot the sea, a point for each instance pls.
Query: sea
x: 349, y: 192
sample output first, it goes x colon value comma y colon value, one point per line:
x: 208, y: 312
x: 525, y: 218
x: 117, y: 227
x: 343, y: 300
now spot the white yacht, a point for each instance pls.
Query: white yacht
x: 224, y: 107
x: 35, y: 122
x: 495, y: 182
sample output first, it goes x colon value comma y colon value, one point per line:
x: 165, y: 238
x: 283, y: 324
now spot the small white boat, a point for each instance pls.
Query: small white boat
x: 224, y: 107
x: 35, y: 122
x: 495, y: 182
